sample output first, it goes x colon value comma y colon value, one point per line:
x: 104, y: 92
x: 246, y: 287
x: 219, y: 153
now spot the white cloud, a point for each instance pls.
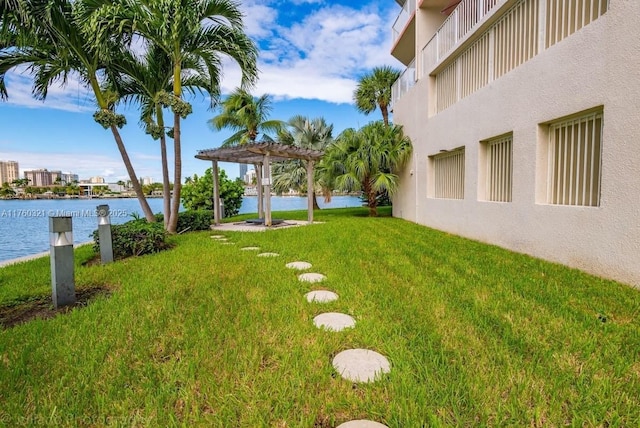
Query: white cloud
x: 318, y: 57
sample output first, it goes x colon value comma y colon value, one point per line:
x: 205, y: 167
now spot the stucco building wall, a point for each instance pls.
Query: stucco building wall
x: 598, y: 66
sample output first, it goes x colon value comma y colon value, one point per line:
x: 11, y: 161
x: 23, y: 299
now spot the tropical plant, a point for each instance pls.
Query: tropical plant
x: 368, y: 159
x: 247, y: 116
x: 6, y: 191
x: 198, y: 195
x: 49, y: 38
x: 147, y: 81
x: 374, y: 90
x: 200, y: 30
x: 305, y: 133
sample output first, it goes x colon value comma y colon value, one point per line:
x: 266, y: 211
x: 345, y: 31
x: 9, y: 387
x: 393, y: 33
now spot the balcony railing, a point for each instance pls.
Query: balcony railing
x: 406, y: 80
x: 408, y: 9
x: 461, y: 21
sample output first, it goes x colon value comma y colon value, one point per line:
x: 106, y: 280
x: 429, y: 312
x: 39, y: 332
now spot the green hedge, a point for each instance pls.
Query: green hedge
x: 135, y: 238
x: 191, y: 220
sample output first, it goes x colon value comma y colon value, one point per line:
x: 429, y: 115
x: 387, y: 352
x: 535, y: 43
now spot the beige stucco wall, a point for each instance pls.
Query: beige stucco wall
x: 597, y: 66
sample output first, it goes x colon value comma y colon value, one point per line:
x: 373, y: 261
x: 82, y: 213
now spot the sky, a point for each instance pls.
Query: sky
x: 312, y: 53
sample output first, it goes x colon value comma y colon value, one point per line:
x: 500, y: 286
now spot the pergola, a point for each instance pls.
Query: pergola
x: 261, y: 155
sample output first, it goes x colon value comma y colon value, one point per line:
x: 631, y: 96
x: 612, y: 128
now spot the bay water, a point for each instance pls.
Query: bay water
x: 24, y: 224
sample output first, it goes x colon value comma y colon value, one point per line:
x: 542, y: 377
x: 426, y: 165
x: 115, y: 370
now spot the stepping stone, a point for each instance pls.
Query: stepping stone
x: 321, y: 296
x: 334, y: 321
x: 312, y: 277
x: 361, y: 423
x: 268, y: 255
x: 217, y: 236
x: 360, y: 365
x: 228, y: 243
x: 222, y: 239
x: 299, y: 265
x: 250, y: 248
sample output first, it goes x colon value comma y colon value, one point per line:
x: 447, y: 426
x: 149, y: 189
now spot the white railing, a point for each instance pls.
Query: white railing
x: 405, y: 82
x: 461, y: 21
x: 408, y: 9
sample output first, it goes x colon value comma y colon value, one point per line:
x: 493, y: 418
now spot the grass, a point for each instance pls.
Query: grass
x: 207, y: 335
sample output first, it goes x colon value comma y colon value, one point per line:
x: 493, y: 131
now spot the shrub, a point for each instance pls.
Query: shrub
x: 191, y: 220
x: 135, y: 238
x: 197, y: 193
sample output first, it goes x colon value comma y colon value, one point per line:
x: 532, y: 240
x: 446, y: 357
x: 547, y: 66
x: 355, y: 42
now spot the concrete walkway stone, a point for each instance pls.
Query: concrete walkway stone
x: 361, y: 365
x: 321, y: 296
x: 217, y: 236
x: 250, y: 248
x: 361, y: 423
x: 334, y: 321
x: 268, y: 255
x: 299, y: 265
x: 312, y: 277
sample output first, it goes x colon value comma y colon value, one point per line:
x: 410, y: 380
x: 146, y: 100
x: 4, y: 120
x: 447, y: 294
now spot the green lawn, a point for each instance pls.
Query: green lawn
x: 207, y: 335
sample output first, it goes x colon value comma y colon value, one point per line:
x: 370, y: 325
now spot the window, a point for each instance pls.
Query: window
x: 574, y: 168
x: 448, y: 174
x: 497, y: 162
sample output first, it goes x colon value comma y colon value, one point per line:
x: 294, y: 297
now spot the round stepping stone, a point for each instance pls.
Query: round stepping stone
x: 361, y: 423
x: 321, y: 296
x: 228, y: 243
x: 217, y: 236
x: 312, y: 277
x: 250, y: 248
x: 360, y: 365
x: 299, y: 265
x: 334, y: 321
x: 268, y: 255
x: 222, y: 239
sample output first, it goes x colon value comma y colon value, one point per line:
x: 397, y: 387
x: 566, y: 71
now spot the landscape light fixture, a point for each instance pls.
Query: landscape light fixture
x: 104, y: 234
x: 63, y: 287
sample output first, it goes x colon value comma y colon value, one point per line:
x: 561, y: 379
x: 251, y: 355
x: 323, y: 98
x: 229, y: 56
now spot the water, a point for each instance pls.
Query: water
x: 24, y: 224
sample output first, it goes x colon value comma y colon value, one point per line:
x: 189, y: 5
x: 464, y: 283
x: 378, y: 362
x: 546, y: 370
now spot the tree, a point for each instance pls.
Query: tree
x: 368, y: 159
x: 147, y: 81
x: 50, y: 38
x: 6, y: 191
x: 301, y: 132
x: 246, y: 115
x: 198, y: 193
x: 202, y: 29
x: 374, y: 90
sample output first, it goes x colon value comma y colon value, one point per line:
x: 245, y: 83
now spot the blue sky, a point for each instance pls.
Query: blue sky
x: 311, y: 54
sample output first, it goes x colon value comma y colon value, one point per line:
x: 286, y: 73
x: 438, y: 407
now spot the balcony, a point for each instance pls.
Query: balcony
x: 404, y: 33
x: 464, y: 20
x: 405, y: 82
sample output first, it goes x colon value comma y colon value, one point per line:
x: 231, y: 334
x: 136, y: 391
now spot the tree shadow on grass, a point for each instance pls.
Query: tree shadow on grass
x: 41, y: 307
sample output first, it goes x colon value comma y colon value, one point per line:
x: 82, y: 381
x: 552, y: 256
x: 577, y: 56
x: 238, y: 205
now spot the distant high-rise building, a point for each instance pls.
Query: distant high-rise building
x: 146, y: 181
x: 69, y: 178
x: 96, y: 180
x: 41, y: 177
x: 250, y: 177
x: 243, y: 170
x: 8, y: 172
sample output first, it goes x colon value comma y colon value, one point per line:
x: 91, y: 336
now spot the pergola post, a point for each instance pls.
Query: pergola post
x: 258, y: 168
x: 267, y: 190
x: 216, y: 194
x: 310, y: 191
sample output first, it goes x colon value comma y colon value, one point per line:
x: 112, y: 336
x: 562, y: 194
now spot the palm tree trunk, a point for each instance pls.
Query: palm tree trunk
x: 372, y: 202
x: 166, y: 191
x: 177, y: 176
x: 315, y: 201
x: 146, y: 209
x: 385, y: 113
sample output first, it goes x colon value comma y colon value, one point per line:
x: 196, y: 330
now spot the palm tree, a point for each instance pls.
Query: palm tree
x: 367, y: 160
x: 246, y: 115
x: 200, y: 29
x: 147, y: 81
x: 374, y: 90
x: 48, y: 38
x: 307, y: 134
